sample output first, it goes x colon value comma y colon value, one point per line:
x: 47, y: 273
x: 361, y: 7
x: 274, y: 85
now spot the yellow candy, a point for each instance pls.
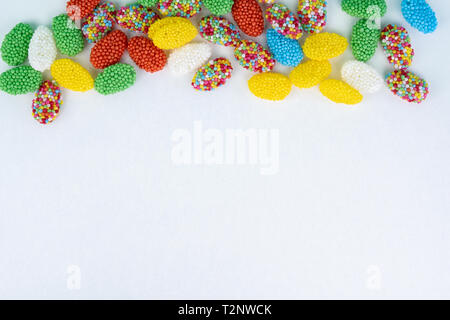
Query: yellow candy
x: 340, y: 92
x: 325, y: 46
x: 270, y: 86
x: 70, y: 75
x: 172, y: 32
x: 310, y: 73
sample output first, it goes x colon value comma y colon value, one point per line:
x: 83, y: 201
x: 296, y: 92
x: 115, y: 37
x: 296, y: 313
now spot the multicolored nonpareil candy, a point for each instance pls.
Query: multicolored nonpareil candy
x: 340, y: 92
x: 286, y: 51
x: 407, y: 86
x: 212, y: 75
x: 20, y: 80
x: 146, y: 55
x: 136, y: 18
x: 109, y: 50
x: 270, y: 86
x: 364, y: 42
x: 69, y: 39
x: 172, y: 32
x: 310, y: 73
x: 16, y: 43
x: 71, y: 75
x: 219, y: 30
x: 99, y: 22
x: 42, y: 51
x: 419, y: 14
x: 252, y: 56
x: 180, y: 8
x: 249, y: 17
x: 47, y: 102
x: 361, y: 76
x: 312, y: 15
x: 284, y: 21
x: 324, y: 46
x: 397, y: 46
x: 189, y: 58
x: 115, y: 79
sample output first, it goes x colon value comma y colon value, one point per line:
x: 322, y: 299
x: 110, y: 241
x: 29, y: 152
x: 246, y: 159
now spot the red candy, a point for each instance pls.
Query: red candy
x: 249, y: 17
x: 109, y: 50
x: 146, y: 55
x: 80, y: 9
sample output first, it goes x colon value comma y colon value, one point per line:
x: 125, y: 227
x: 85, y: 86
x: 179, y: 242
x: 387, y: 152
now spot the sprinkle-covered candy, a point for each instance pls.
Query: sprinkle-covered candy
x: 249, y: 17
x: 286, y: 51
x: 16, y: 43
x: 80, y: 9
x: 212, y: 75
x: 284, y: 21
x: 367, y: 9
x: 146, y: 55
x: 219, y: 30
x: 361, y: 76
x: 189, y: 58
x: 71, y: 75
x: 137, y: 18
x: 397, y: 46
x: 219, y: 7
x: 115, y: 78
x: 42, y: 51
x: 20, y: 80
x: 364, y: 42
x: 312, y: 15
x: 420, y: 15
x: 340, y: 92
x: 172, y: 32
x: 99, y: 22
x: 180, y: 8
x: 324, y: 46
x: 270, y: 86
x: 252, y: 56
x: 147, y: 3
x: 407, y: 86
x: 310, y: 73
x: 47, y: 102
x: 69, y: 39
x: 109, y: 50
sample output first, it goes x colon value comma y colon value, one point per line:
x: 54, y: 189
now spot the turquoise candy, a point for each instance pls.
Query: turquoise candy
x: 419, y: 14
x: 286, y: 51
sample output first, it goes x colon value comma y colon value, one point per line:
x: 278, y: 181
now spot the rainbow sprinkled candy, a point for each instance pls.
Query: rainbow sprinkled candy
x: 284, y: 21
x: 397, y: 46
x: 47, y: 102
x: 180, y: 8
x: 212, y: 75
x: 136, y: 18
x: 219, y: 30
x: 313, y: 15
x: 252, y: 56
x: 99, y: 22
x: 407, y: 86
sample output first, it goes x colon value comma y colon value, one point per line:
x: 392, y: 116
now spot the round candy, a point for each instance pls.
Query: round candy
x: 419, y: 14
x: 286, y: 51
x: 147, y: 3
x: 219, y: 7
x: 115, y: 78
x: 16, y: 43
x: 47, y: 102
x: 368, y: 9
x: 249, y: 17
x: 310, y: 73
x: 99, y: 22
x: 146, y: 55
x: 364, y: 40
x: 42, y: 51
x: 109, y: 50
x: 361, y: 76
x: 189, y: 58
x: 137, y: 18
x: 20, y: 80
x: 252, y: 56
x: 69, y: 39
x: 71, y: 75
x: 219, y: 30
x: 324, y: 46
x: 284, y: 21
x: 80, y: 9
x: 180, y: 8
x: 407, y: 86
x: 212, y: 75
x: 397, y: 46
x: 172, y: 32
x: 340, y: 92
x: 270, y: 86
x: 312, y: 15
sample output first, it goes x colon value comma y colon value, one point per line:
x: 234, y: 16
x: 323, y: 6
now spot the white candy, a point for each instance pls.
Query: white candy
x: 361, y: 76
x: 42, y: 51
x: 189, y: 58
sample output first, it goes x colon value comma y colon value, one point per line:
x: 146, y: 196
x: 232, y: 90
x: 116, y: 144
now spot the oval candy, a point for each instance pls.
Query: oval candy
x: 252, y: 56
x: 189, y: 58
x: 361, y: 76
x: 212, y: 75
x: 284, y: 21
x: 68, y: 38
x: 20, y: 80
x: 146, y: 55
x: 219, y: 30
x: 310, y: 73
x: 312, y: 15
x: 16, y: 44
x: 286, y: 51
x: 340, y: 92
x: 407, y: 86
x: 99, y: 22
x: 364, y: 40
x: 270, y: 86
x: 219, y: 7
x: 180, y: 8
x: 249, y: 17
x: 80, y: 9
x: 147, y: 3
x: 137, y: 18
x: 172, y: 32
x: 324, y: 46
x: 397, y: 46
x: 368, y: 9
x: 420, y: 15
x: 71, y: 75
x: 115, y: 78
x: 47, y: 102
x: 109, y: 50
x: 42, y: 51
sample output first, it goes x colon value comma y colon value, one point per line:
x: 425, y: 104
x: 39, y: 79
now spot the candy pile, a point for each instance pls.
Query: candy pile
x: 163, y: 37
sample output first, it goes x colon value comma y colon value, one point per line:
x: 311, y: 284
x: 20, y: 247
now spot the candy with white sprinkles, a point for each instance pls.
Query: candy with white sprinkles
x: 407, y: 86
x: 286, y: 51
x: 180, y: 8
x: 47, y: 102
x: 42, y: 51
x: 397, y: 46
x: 284, y: 21
x: 312, y: 15
x: 362, y: 77
x: 252, y: 56
x: 219, y: 30
x: 137, y: 18
x: 420, y: 15
x: 99, y: 22
x: 16, y: 43
x: 189, y: 58
x: 212, y: 75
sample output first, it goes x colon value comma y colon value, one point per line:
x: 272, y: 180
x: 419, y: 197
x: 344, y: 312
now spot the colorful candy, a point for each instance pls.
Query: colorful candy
x: 368, y: 9
x: 361, y: 76
x: 99, y: 22
x: 324, y: 46
x: 47, y: 102
x: 109, y: 50
x: 212, y: 75
x: 407, y: 86
x: 180, y: 8
x: 312, y: 15
x: 80, y: 9
x: 146, y: 55
x: 419, y: 14
x: 270, y: 86
x: 310, y: 73
x: 20, y: 80
x: 42, y: 51
x: 137, y: 18
x: 340, y: 92
x: 219, y: 30
x: 16, y: 43
x: 172, y: 32
x: 286, y: 51
x: 364, y: 40
x: 115, y: 79
x: 189, y: 58
x: 284, y: 21
x: 397, y: 46
x: 249, y: 17
x: 71, y: 75
x: 68, y: 38
x: 219, y: 7
x: 252, y: 56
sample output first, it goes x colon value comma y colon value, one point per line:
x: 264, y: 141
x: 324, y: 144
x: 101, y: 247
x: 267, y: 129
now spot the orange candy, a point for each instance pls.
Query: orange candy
x: 80, y: 9
x: 249, y: 17
x: 109, y: 50
x: 146, y: 55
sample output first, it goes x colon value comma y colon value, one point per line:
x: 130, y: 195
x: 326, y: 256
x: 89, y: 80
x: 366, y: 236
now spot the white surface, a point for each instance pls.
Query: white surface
x: 359, y: 208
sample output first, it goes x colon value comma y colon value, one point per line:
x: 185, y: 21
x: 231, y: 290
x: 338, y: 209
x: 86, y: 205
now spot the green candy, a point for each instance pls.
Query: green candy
x: 147, y: 3
x: 115, y: 78
x: 364, y: 41
x: 69, y: 39
x: 16, y: 43
x: 368, y: 9
x: 20, y: 80
x: 219, y: 7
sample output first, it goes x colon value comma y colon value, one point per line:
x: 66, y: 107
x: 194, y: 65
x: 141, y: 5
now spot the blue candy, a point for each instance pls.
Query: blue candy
x: 286, y: 51
x: 419, y: 14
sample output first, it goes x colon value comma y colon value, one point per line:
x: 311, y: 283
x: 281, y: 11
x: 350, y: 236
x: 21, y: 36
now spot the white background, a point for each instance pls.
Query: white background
x: 361, y: 197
